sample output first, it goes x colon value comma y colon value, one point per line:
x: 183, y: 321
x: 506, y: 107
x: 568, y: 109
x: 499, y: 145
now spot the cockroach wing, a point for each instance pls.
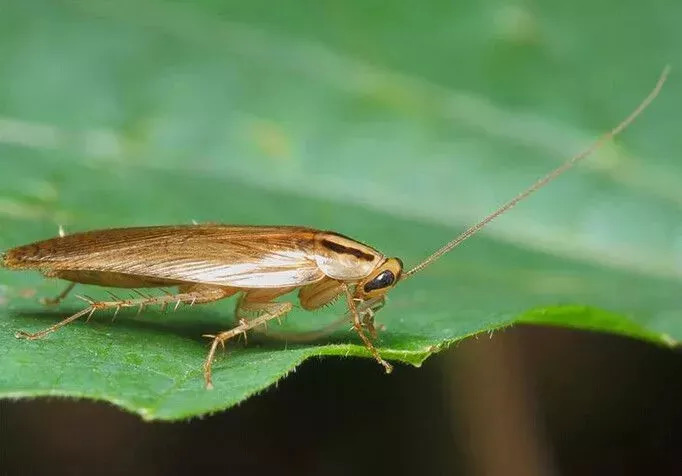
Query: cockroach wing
x: 236, y: 256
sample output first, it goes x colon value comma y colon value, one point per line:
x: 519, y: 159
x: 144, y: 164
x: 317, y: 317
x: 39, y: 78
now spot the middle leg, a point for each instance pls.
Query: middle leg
x: 254, y: 309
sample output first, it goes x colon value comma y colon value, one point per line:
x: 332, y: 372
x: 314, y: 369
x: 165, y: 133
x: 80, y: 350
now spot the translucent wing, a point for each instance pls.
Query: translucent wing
x: 237, y: 256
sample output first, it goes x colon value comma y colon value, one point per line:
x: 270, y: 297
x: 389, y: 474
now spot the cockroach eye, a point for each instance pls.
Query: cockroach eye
x: 382, y: 280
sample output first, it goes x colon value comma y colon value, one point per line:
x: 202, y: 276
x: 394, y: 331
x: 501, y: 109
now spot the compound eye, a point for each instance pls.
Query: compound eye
x: 382, y: 280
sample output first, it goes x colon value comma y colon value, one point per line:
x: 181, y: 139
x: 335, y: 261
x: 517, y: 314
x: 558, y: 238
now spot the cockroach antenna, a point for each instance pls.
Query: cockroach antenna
x: 547, y: 178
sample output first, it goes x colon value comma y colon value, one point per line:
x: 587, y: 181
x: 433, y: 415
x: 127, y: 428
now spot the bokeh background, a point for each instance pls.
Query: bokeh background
x: 430, y: 112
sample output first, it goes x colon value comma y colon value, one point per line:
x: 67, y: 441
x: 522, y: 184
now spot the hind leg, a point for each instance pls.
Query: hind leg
x: 189, y: 294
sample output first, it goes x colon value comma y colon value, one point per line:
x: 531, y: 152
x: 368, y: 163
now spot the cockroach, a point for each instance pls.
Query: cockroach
x: 206, y: 263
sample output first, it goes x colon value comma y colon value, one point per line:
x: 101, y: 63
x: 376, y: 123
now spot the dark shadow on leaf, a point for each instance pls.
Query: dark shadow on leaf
x: 193, y: 324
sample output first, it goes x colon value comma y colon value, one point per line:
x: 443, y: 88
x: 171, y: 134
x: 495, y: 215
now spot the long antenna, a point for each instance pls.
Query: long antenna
x: 547, y: 178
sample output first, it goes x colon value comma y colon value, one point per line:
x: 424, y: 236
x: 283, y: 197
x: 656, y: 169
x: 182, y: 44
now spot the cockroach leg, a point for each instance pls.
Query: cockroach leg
x: 43, y: 333
x: 141, y: 294
x: 197, y: 293
x: 113, y: 296
x: 368, y: 323
x: 358, y: 327
x: 251, y: 309
x: 59, y: 298
x: 319, y: 294
x: 367, y: 310
x: 267, y: 311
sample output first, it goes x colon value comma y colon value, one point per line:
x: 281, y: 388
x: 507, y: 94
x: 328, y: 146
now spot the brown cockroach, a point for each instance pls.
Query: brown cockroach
x: 260, y: 263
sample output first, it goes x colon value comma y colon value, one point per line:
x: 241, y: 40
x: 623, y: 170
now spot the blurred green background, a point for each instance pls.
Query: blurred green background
x: 395, y: 123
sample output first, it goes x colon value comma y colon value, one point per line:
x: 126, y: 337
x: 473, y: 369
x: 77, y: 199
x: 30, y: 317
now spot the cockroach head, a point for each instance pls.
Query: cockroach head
x: 381, y: 280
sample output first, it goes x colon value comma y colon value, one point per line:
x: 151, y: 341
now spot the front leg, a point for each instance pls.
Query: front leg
x: 367, y: 310
x: 361, y: 313
x: 358, y: 327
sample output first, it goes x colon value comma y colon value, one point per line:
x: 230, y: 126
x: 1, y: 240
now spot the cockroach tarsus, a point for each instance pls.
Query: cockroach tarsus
x: 210, y: 262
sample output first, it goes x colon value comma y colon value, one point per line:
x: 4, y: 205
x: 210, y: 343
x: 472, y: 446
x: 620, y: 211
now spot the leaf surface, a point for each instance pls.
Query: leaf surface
x: 394, y: 128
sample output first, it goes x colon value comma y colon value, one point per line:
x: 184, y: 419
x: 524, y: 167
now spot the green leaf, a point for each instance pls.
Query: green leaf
x: 397, y: 127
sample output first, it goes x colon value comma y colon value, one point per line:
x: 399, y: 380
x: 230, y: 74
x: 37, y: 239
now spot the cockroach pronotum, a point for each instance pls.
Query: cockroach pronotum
x: 260, y: 263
